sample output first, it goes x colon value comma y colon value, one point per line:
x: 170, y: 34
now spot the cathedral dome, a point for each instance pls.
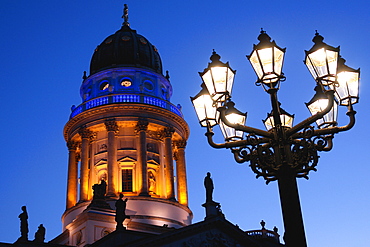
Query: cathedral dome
x: 125, y: 48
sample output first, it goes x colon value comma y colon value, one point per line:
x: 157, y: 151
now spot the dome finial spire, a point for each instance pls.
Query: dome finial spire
x: 125, y: 16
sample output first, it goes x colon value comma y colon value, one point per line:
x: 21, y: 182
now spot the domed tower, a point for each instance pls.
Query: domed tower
x: 127, y: 134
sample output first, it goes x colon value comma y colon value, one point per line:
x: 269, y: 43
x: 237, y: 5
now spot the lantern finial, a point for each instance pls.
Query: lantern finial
x: 215, y: 58
x: 263, y: 37
x: 317, y: 39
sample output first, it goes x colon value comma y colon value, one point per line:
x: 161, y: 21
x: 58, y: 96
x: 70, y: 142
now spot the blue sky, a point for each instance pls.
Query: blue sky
x: 46, y: 46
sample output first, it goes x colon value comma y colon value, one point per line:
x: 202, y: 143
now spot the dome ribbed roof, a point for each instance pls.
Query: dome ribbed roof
x: 125, y: 48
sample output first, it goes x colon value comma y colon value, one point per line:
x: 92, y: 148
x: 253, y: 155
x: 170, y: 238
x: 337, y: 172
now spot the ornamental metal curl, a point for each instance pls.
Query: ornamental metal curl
x: 304, y: 157
x: 264, y: 164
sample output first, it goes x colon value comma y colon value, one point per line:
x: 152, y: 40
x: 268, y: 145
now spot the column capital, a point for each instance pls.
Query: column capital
x: 142, y: 125
x: 168, y: 132
x: 181, y: 144
x: 111, y: 125
x: 85, y: 133
x: 72, y: 145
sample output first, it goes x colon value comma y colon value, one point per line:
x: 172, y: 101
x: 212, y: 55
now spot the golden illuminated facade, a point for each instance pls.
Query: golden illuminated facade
x: 127, y: 133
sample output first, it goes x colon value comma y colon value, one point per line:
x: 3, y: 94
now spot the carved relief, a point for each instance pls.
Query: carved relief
x: 156, y: 135
x: 103, y: 147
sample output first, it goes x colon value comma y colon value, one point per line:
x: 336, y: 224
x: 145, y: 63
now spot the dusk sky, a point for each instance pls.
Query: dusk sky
x: 46, y: 46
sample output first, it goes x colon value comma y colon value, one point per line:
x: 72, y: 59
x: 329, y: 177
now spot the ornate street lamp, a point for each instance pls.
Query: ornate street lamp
x: 322, y: 61
x: 218, y: 78
x: 285, y: 151
x: 267, y: 60
x: 205, y: 108
x: 286, y: 120
x: 317, y: 104
x: 234, y: 116
x: 346, y: 90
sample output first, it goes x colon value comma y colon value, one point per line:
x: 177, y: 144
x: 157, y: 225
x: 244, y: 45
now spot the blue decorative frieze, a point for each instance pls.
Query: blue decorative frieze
x: 125, y: 98
x: 96, y: 102
x: 154, y: 101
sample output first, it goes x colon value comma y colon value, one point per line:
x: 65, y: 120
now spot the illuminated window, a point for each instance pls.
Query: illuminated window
x: 126, y: 180
x: 104, y: 85
x: 126, y: 82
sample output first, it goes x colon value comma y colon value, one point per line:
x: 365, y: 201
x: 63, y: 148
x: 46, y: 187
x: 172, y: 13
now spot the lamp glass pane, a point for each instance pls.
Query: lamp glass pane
x: 269, y: 123
x: 332, y: 57
x: 256, y: 64
x: 328, y: 119
x: 279, y: 59
x: 207, y: 79
x: 229, y: 133
x: 205, y: 110
x: 316, y: 63
x: 348, y: 87
x: 230, y: 80
x: 322, y: 64
x: 266, y: 58
x: 285, y: 120
x: 219, y: 75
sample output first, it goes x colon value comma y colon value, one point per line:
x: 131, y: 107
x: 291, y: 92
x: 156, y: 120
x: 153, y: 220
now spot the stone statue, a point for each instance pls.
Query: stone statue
x: 99, y: 190
x: 120, y: 212
x: 40, y: 234
x: 24, y: 224
x: 208, y: 184
x: 152, y: 182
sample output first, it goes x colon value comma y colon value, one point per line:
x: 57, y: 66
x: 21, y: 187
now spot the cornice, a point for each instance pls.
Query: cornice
x: 133, y: 111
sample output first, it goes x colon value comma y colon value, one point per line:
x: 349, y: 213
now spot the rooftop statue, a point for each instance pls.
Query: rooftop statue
x: 99, y: 190
x: 40, y: 234
x: 208, y: 184
x: 24, y: 224
x: 121, y: 212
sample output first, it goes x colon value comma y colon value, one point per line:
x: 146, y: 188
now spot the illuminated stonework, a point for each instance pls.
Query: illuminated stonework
x: 127, y: 133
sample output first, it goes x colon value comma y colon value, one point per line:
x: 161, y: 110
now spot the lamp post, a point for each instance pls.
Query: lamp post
x: 284, y: 151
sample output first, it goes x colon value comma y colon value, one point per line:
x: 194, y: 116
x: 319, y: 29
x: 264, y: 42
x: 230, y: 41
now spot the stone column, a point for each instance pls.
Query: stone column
x: 112, y: 128
x: 142, y: 167
x: 86, y: 136
x: 72, y: 175
x: 167, y: 134
x: 182, y: 187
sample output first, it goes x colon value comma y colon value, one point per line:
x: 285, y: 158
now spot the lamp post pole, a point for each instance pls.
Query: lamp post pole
x: 284, y: 152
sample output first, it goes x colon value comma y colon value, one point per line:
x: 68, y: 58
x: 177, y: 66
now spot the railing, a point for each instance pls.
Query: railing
x: 125, y: 98
x: 264, y: 234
